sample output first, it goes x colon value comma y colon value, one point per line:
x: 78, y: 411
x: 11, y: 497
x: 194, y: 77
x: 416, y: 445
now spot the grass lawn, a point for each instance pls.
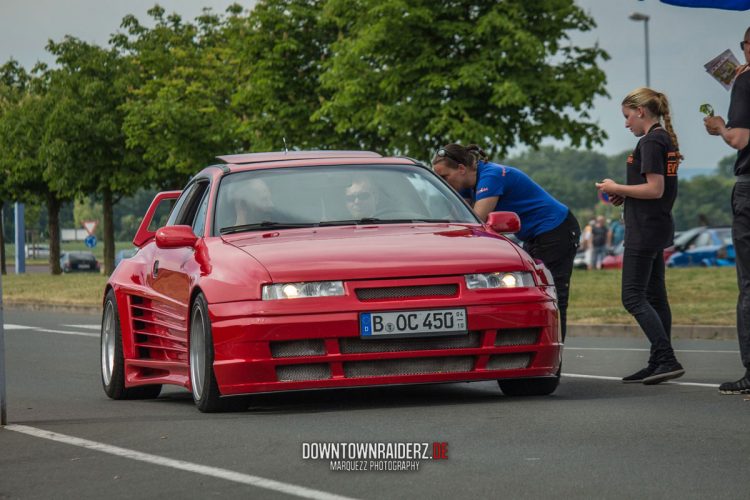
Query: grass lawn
x: 697, y: 296
x: 702, y: 296
x: 79, y: 289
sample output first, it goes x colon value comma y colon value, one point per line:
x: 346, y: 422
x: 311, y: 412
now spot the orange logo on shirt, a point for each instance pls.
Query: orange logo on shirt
x: 673, y: 163
x: 630, y: 159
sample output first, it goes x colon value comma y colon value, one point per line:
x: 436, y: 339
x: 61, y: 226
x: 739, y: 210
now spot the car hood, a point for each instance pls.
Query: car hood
x: 364, y: 252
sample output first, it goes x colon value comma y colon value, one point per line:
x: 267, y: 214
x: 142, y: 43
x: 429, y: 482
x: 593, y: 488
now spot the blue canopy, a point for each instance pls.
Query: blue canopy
x: 712, y: 4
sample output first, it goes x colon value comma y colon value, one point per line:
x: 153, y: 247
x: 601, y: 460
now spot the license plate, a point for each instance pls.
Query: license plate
x: 413, y: 323
x: 84, y: 266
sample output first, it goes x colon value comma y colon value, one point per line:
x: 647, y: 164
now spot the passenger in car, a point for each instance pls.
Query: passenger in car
x: 549, y: 230
x: 253, y: 203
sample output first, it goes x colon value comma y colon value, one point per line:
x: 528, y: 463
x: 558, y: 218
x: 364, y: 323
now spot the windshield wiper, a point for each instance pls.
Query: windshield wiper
x: 375, y: 220
x: 266, y: 225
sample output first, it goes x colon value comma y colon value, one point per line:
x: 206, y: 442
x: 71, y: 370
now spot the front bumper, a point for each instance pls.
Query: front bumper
x: 260, y: 348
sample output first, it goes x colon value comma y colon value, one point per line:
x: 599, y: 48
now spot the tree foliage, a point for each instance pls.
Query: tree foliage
x: 182, y: 77
x: 281, y: 48
x: 407, y: 76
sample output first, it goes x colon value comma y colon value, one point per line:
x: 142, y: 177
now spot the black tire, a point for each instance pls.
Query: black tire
x: 203, y: 384
x: 542, y: 386
x: 112, y: 361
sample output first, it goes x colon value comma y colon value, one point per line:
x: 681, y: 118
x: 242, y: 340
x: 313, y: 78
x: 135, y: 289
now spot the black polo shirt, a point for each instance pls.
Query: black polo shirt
x: 739, y: 117
x: 648, y: 223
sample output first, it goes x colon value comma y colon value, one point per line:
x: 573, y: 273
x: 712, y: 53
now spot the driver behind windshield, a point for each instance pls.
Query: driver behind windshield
x: 361, y: 198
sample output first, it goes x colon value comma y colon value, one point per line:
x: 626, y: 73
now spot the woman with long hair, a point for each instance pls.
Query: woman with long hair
x: 549, y: 230
x: 648, y: 196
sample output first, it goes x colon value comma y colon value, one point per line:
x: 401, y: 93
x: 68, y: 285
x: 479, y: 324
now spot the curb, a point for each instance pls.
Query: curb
x: 708, y: 332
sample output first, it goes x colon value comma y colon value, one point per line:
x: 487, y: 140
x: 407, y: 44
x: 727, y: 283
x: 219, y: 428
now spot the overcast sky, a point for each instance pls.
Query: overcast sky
x: 681, y: 41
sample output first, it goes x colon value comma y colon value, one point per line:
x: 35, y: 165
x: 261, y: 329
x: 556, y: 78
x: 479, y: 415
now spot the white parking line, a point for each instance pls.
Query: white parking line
x: 237, y: 477
x: 644, y: 350
x: 85, y: 327
x: 11, y: 327
x: 601, y: 377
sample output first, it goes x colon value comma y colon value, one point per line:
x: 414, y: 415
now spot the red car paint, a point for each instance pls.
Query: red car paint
x: 156, y: 288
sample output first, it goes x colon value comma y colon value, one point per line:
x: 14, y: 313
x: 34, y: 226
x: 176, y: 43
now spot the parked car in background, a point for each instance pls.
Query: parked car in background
x: 580, y: 262
x: 324, y: 269
x: 37, y: 251
x: 79, y: 261
x: 613, y: 260
x: 710, y: 247
x: 124, y: 254
x: 683, y: 240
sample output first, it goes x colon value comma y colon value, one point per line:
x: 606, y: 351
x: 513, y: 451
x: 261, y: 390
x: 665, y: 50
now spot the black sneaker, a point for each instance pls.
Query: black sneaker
x: 665, y: 371
x: 742, y: 386
x: 638, y: 376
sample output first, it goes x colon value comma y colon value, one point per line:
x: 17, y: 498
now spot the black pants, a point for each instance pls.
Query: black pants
x: 557, y: 249
x: 644, y: 295
x: 741, y: 240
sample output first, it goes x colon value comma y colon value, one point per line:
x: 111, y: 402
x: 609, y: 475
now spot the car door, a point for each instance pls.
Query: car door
x: 170, y: 268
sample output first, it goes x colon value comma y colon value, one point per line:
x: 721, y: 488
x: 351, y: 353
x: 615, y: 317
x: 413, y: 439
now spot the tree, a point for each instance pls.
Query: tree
x: 281, y: 48
x: 725, y: 168
x: 84, y: 142
x: 23, y: 125
x: 14, y: 81
x: 405, y: 77
x: 703, y: 198
x: 180, y: 85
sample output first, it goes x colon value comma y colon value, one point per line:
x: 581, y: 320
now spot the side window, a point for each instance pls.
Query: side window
x: 187, y: 211
x: 701, y: 241
x: 187, y: 193
x: 199, y: 224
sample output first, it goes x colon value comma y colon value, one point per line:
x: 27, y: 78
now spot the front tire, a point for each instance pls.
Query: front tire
x: 112, y: 359
x: 541, y: 386
x: 529, y: 387
x: 203, y: 384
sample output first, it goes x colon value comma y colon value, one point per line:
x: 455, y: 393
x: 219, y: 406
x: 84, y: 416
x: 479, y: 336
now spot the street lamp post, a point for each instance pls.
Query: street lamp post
x: 637, y: 16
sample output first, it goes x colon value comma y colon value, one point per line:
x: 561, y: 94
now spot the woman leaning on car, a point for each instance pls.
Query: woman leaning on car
x: 549, y: 230
x: 649, y: 194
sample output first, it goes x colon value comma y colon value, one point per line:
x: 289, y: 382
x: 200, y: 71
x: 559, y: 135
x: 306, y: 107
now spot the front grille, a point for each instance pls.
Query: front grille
x: 403, y: 292
x: 509, y: 361
x: 300, y: 373
x: 355, y: 345
x: 294, y: 348
x: 381, y: 368
x: 520, y: 336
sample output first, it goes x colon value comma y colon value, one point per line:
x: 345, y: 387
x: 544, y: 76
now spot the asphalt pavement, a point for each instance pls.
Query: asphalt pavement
x: 594, y: 438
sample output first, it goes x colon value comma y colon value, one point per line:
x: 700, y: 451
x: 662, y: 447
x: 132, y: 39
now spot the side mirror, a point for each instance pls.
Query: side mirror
x: 175, y: 237
x: 504, y: 222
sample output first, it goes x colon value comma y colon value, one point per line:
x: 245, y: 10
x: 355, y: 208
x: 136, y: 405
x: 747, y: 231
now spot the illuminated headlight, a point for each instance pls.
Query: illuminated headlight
x: 303, y: 290
x: 499, y: 280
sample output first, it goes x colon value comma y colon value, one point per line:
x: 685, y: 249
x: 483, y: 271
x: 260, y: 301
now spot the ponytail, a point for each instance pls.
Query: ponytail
x: 658, y: 105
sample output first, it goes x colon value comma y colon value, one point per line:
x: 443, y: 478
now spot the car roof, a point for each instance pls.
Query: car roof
x: 252, y: 161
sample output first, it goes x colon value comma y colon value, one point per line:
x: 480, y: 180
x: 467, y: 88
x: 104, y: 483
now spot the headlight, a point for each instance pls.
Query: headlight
x: 499, y: 280
x: 303, y: 290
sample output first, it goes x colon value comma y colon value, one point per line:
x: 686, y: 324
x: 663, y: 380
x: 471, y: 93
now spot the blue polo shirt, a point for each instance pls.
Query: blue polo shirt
x: 538, y: 210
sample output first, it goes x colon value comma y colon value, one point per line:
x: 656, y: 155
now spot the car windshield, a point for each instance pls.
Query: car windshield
x: 724, y: 235
x: 329, y: 196
x: 684, y: 237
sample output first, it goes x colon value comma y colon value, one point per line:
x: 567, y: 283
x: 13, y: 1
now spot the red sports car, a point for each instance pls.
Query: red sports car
x: 324, y: 269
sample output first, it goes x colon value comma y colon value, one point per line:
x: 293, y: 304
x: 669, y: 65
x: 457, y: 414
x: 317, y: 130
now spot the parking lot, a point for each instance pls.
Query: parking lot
x: 595, y: 437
